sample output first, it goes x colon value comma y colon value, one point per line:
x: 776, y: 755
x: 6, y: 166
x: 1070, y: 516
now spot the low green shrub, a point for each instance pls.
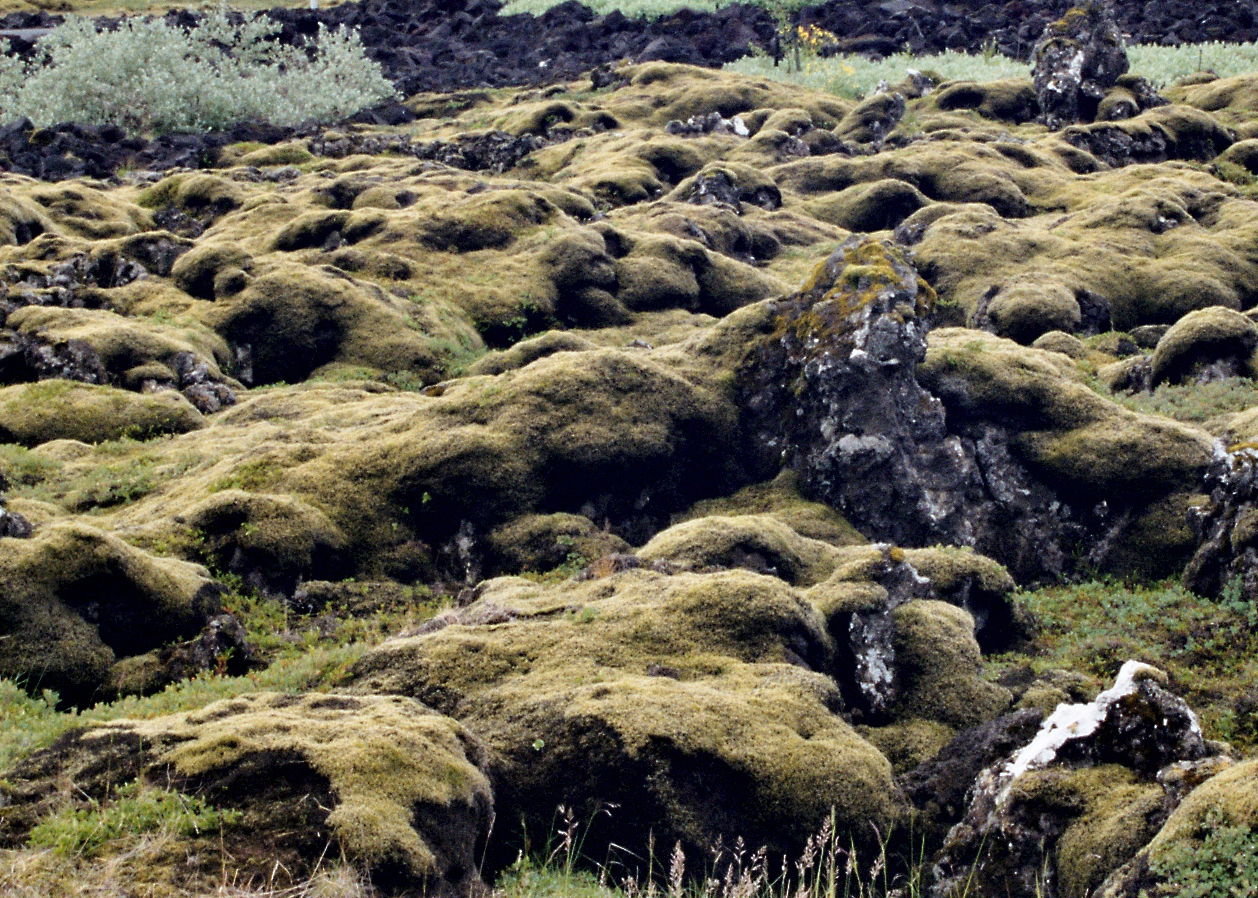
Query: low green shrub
x: 149, y: 76
x: 1224, y: 864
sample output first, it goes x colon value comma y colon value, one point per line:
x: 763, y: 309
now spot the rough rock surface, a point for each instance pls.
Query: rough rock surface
x: 1227, y: 526
x: 1076, y: 61
x: 1083, y: 758
x: 834, y: 394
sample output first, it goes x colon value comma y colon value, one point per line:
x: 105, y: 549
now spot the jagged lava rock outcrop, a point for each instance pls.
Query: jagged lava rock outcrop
x: 972, y: 443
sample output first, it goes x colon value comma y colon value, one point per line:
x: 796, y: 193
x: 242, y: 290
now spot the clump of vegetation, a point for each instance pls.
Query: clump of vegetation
x: 856, y: 76
x: 1223, y: 864
x: 1207, y: 647
x: 147, y: 75
x: 1192, y: 401
x: 134, y: 809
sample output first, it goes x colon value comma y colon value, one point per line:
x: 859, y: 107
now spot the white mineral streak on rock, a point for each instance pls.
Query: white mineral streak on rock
x: 1070, y: 722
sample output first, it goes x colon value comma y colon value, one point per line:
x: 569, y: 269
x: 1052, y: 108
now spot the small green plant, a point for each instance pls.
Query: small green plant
x: 148, y: 76
x: 133, y: 809
x: 1223, y: 864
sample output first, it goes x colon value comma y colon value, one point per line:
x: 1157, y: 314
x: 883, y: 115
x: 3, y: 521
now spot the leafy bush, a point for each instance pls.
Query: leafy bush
x: 146, y: 75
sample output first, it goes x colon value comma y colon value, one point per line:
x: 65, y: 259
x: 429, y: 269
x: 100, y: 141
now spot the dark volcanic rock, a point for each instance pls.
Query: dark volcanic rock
x: 836, y: 397
x: 836, y: 394
x: 940, y: 786
x: 1076, y: 61
x: 1227, y: 527
x: 1099, y: 759
x: 13, y: 524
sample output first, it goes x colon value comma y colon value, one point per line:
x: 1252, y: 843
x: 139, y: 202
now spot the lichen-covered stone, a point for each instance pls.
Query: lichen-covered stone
x: 1075, y: 61
x: 1076, y: 800
x: 1205, y: 345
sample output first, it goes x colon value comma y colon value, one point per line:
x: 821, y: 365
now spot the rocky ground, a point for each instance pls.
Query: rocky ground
x: 659, y: 441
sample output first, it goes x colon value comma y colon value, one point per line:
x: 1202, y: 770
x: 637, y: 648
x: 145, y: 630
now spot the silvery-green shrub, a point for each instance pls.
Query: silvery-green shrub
x: 146, y: 75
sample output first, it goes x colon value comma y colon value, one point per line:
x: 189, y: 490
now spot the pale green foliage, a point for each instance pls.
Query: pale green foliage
x: 1224, y: 864
x: 150, y: 76
x: 856, y: 76
x: 133, y: 810
x: 1166, y: 65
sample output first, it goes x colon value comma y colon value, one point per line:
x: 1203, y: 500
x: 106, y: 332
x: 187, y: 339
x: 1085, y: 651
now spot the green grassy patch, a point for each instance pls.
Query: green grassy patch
x: 83, y: 831
x: 1209, y: 648
x: 302, y: 653
x: 1195, y: 403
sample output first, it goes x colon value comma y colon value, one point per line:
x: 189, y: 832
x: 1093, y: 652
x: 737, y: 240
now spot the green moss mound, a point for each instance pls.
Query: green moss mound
x: 401, y: 791
x: 668, y: 696
x: 74, y: 601
x: 31, y: 414
x: 1215, y: 337
x: 1078, y: 440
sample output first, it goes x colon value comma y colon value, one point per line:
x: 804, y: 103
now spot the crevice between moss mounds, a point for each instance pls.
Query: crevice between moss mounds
x: 991, y: 456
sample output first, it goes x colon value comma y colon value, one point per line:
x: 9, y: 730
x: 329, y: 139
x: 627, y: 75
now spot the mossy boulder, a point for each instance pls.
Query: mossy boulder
x: 670, y: 697
x: 399, y: 791
x: 1026, y: 310
x: 21, y: 221
x: 1079, y: 798
x: 875, y: 206
x: 759, y: 543
x: 291, y: 319
x: 780, y: 498
x: 37, y: 413
x: 75, y: 601
x: 938, y: 664
x: 1207, y: 345
x: 543, y: 542
x: 211, y: 269
x: 1009, y: 100
x: 1081, y: 442
x: 528, y: 351
x: 127, y: 350
x: 272, y: 542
